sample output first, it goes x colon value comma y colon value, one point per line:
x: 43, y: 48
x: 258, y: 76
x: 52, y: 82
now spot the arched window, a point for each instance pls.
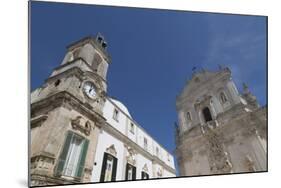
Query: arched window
x: 188, y: 116
x: 207, y: 114
x: 223, y: 97
x: 96, y: 62
x: 76, y: 52
x: 71, y: 57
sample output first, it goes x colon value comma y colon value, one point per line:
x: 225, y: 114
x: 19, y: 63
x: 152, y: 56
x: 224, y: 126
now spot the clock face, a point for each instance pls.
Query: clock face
x: 90, y: 89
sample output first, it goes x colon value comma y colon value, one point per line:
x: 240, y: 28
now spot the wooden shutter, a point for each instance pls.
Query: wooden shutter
x: 82, y: 158
x: 103, y: 167
x: 113, y: 178
x: 63, y: 154
x: 127, y: 168
x: 134, y: 172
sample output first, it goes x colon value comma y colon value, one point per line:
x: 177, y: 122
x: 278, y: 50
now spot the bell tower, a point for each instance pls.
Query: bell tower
x: 220, y: 130
x: 66, y: 115
x: 82, y: 73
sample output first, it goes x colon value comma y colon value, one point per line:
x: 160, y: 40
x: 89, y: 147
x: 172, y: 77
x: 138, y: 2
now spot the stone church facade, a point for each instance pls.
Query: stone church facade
x: 219, y: 130
x: 79, y: 134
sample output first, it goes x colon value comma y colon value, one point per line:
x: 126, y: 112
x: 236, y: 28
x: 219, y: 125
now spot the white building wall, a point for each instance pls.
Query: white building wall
x: 168, y: 174
x: 106, y: 140
x: 108, y: 111
x: 132, y: 135
x: 141, y: 162
x: 141, y: 136
x: 137, y: 136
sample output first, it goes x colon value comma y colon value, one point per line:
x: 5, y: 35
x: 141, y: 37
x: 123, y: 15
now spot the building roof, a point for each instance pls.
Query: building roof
x: 121, y: 106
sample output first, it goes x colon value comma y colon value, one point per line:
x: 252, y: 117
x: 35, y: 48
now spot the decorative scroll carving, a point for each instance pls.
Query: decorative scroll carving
x: 210, y: 125
x: 42, y: 161
x: 145, y: 169
x: 87, y: 174
x: 37, y: 121
x: 131, y: 156
x: 218, y: 158
x: 111, y: 149
x: 83, y: 127
x: 160, y: 172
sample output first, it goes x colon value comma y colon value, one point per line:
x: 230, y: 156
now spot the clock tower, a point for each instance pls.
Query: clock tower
x: 66, y: 115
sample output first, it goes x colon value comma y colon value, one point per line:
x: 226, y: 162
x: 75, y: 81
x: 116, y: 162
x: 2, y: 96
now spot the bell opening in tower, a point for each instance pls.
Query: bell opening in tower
x: 207, y: 114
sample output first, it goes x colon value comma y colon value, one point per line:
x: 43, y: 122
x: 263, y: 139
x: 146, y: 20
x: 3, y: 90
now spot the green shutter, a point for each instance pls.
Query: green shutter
x: 82, y: 158
x: 63, y: 154
x: 127, y: 169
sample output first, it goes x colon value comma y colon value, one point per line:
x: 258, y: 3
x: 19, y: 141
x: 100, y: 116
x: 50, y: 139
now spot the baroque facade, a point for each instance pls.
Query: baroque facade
x: 219, y: 130
x: 79, y: 134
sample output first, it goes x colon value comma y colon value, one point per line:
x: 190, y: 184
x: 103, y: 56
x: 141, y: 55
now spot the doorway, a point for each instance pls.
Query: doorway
x: 207, y: 114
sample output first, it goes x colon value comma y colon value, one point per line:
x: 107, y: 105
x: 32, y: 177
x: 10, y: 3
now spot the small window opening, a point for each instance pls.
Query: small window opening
x: 57, y: 83
x: 132, y: 128
x: 104, y: 45
x: 223, y: 97
x: 116, y: 115
x: 207, y: 114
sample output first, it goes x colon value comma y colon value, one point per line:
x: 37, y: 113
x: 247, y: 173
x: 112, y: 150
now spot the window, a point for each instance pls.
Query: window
x: 132, y: 128
x: 130, y: 172
x: 144, y: 175
x: 108, y: 169
x: 207, y: 114
x: 109, y: 166
x: 145, y: 143
x: 157, y: 151
x: 72, y: 158
x: 188, y: 116
x: 71, y: 57
x: 116, y: 115
x: 57, y: 83
x: 168, y: 157
x: 96, y: 62
x: 223, y: 97
x: 76, y: 53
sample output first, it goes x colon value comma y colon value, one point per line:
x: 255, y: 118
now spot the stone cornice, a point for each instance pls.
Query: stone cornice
x: 242, y: 123
x: 182, y: 97
x: 37, y: 121
x: 135, y: 146
x: 66, y: 99
x: 136, y: 123
x: 76, y: 70
x: 91, y: 40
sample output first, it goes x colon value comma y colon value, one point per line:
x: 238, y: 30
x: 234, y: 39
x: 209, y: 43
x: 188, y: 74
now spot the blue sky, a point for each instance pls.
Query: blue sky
x: 153, y: 53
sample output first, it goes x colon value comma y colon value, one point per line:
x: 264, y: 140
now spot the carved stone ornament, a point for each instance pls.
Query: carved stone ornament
x: 84, y: 127
x: 42, y: 161
x: 111, y: 150
x: 87, y: 174
x: 131, y: 156
x: 145, y: 169
x: 159, y: 172
x: 37, y: 121
x: 218, y: 158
